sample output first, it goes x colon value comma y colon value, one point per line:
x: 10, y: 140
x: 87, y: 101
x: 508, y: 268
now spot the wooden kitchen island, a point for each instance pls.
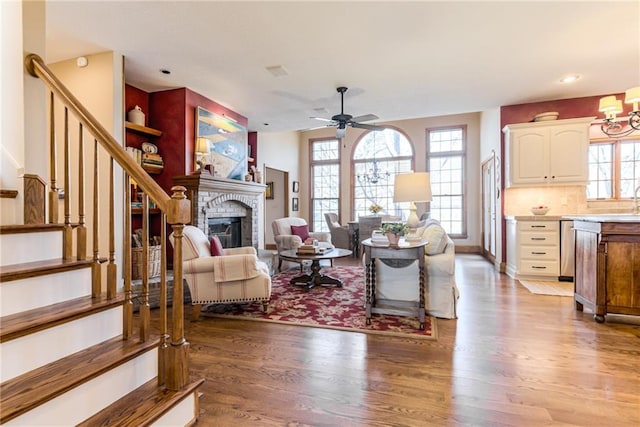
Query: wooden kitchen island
x: 607, y: 270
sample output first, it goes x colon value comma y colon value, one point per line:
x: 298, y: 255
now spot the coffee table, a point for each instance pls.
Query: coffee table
x: 309, y: 281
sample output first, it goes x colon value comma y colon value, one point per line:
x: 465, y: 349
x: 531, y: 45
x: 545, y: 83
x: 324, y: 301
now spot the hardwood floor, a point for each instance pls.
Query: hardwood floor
x: 511, y: 358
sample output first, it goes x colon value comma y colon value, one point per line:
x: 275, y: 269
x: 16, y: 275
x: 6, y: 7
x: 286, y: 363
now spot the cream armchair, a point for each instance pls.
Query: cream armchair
x: 286, y: 239
x: 235, y: 277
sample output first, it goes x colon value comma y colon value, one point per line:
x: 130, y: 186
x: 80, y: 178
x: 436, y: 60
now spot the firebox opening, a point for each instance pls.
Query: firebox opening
x: 228, y: 230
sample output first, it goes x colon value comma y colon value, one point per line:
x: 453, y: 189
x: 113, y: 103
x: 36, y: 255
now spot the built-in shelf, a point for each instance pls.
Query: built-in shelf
x: 138, y: 211
x: 152, y: 170
x: 142, y: 129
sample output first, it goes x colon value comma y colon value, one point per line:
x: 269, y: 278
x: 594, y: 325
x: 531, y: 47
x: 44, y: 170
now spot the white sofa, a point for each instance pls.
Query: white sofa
x: 441, y: 294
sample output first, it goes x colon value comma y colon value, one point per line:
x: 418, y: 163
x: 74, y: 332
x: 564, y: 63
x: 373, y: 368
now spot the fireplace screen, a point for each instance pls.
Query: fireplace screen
x: 228, y: 231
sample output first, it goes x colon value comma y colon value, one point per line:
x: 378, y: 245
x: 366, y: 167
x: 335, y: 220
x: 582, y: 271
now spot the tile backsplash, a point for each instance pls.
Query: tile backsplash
x: 561, y: 200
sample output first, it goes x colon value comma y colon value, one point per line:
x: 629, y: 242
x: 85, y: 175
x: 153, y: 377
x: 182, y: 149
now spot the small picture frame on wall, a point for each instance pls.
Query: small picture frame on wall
x: 296, y: 186
x: 294, y: 204
x: 269, y: 191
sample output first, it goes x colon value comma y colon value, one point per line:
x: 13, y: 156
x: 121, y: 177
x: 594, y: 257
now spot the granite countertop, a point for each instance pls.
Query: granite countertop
x: 627, y: 218
x: 534, y: 217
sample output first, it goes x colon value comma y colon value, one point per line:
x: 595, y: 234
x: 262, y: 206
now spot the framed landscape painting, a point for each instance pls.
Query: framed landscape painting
x: 228, y: 141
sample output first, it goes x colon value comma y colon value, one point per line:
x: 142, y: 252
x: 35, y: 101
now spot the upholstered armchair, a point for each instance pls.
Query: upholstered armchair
x: 235, y: 276
x: 290, y: 232
x: 340, y: 235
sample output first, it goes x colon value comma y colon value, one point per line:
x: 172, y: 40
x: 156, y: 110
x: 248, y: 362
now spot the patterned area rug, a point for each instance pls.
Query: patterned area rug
x: 325, y: 307
x: 563, y: 289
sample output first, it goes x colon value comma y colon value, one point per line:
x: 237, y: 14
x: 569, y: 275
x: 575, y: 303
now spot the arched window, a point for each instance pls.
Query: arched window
x: 377, y: 158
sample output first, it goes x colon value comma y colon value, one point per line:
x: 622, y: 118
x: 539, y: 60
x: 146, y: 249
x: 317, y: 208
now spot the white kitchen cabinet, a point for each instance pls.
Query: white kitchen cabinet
x: 533, y: 249
x: 547, y: 152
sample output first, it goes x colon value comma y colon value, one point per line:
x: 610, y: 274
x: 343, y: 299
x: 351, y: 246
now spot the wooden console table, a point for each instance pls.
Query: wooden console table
x: 395, y: 255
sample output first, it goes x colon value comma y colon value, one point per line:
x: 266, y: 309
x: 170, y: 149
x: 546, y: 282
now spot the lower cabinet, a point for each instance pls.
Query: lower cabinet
x: 533, y: 249
x: 607, y: 276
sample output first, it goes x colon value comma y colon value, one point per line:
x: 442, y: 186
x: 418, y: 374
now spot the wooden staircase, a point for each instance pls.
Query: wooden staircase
x: 64, y: 358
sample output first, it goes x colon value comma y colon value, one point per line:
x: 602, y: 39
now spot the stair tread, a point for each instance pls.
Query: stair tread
x: 37, y: 268
x: 25, y: 392
x: 142, y: 406
x: 20, y: 324
x: 29, y: 228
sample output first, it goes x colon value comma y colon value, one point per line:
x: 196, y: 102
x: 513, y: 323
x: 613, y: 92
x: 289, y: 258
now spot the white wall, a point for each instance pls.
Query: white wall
x: 100, y: 88
x: 415, y: 130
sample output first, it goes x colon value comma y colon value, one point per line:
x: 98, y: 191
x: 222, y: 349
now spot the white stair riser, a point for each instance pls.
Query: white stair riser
x: 30, y: 247
x: 80, y: 403
x: 35, y: 292
x: 184, y: 413
x: 32, y: 351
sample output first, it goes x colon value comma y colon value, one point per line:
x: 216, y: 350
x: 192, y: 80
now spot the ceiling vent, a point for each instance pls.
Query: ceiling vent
x: 277, y: 71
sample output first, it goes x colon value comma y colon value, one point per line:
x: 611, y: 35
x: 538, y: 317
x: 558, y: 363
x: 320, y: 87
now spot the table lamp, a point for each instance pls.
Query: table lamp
x: 412, y: 187
x: 202, y: 152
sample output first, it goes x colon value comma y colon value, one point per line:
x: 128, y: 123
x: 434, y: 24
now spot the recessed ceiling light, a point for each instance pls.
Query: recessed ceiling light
x: 570, y: 78
x: 165, y: 71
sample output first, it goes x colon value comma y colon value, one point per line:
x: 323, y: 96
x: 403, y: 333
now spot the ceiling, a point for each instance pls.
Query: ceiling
x: 400, y: 60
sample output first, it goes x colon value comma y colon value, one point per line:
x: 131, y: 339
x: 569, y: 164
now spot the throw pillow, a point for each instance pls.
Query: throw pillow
x: 300, y: 230
x: 215, y: 246
x: 436, y: 239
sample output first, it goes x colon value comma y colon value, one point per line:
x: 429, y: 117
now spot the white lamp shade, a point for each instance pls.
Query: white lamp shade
x: 412, y: 187
x: 632, y: 95
x: 202, y: 145
x: 609, y: 104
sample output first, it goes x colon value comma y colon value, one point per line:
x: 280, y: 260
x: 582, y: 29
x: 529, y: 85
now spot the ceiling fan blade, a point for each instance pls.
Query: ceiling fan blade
x: 365, y: 118
x: 322, y: 119
x: 341, y: 132
x: 365, y: 126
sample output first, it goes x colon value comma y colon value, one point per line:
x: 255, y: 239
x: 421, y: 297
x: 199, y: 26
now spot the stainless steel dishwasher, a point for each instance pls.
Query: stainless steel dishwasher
x: 567, y: 251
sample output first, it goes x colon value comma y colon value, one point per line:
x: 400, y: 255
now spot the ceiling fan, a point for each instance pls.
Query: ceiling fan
x: 342, y: 120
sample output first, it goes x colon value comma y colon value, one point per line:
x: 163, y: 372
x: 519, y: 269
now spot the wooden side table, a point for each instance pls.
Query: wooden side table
x: 396, y: 256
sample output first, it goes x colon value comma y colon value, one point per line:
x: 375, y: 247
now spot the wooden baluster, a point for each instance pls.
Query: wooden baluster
x: 145, y: 310
x: 53, y: 164
x: 178, y: 214
x: 112, y: 268
x: 164, y: 337
x: 81, y: 232
x: 96, y: 276
x: 67, y: 240
x: 128, y: 296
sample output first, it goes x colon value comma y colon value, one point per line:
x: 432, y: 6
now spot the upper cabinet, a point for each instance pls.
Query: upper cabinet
x: 547, y: 152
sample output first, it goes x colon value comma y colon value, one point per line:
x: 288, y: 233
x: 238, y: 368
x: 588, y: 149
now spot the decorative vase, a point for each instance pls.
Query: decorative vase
x: 136, y: 116
x: 393, y: 238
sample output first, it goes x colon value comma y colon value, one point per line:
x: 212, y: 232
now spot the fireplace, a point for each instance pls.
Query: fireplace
x: 228, y: 230
x: 224, y: 203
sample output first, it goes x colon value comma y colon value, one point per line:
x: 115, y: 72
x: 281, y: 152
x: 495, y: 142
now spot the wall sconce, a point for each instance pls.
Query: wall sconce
x: 610, y: 106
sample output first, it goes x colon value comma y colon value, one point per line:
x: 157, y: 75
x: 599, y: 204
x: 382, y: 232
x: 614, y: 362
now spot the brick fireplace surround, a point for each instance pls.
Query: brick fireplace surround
x: 213, y: 197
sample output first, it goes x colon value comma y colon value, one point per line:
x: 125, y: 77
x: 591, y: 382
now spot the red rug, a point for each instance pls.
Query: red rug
x: 325, y: 307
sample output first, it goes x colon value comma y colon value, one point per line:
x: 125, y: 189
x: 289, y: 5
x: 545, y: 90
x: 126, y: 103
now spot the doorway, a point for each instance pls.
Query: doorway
x: 490, y: 195
x: 276, y: 203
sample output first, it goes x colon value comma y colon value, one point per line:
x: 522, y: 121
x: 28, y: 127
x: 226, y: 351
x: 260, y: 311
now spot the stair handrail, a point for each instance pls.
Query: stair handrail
x: 176, y: 208
x: 37, y: 68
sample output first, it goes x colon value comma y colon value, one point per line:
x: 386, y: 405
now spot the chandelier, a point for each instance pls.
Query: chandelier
x: 373, y: 175
x: 610, y: 106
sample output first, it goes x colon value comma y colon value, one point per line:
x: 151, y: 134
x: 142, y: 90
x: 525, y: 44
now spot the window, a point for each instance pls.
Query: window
x: 446, y: 152
x: 377, y: 158
x: 325, y: 181
x: 614, y: 169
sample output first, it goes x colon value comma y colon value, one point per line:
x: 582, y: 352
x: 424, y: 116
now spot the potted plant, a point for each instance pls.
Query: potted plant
x: 394, y: 230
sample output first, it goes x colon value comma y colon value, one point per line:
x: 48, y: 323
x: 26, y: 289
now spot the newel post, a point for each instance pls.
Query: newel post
x: 178, y: 214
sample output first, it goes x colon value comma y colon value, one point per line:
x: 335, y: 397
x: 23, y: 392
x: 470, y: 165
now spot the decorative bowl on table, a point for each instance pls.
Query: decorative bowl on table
x: 539, y: 210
